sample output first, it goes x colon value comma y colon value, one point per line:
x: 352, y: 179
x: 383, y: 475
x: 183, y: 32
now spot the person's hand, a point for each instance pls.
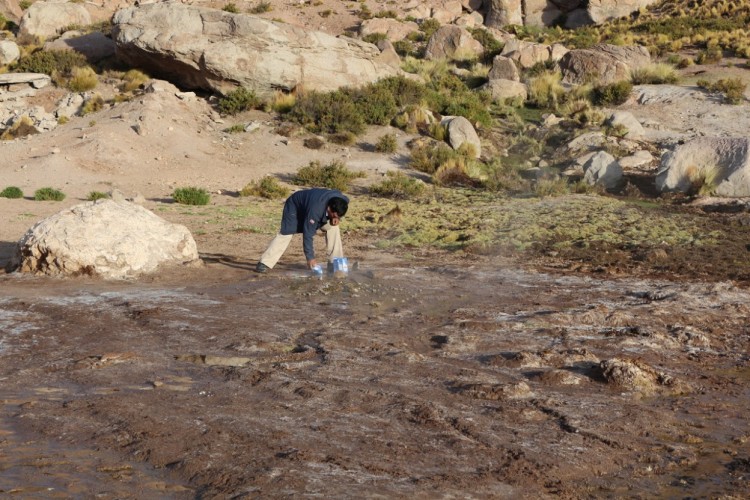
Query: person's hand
x: 311, y: 263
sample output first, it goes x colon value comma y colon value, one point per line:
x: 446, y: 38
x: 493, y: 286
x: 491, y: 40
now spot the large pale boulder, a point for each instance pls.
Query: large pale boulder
x: 634, y: 129
x: 105, y: 238
x: 721, y: 165
x: 602, y: 169
x: 501, y: 13
x: 447, y: 11
x: 502, y: 90
x: 211, y: 49
x: 9, y: 52
x: 526, y: 54
x: 48, y: 19
x: 452, y: 42
x: 601, y: 11
x: 602, y: 64
x: 541, y: 13
x: 461, y: 131
x: 393, y: 29
x: 94, y: 46
x: 503, y: 68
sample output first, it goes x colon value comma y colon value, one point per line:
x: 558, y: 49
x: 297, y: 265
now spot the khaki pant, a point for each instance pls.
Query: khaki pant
x: 279, y: 244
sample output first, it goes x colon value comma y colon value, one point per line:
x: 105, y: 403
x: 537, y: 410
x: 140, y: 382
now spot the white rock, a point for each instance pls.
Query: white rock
x: 105, y: 238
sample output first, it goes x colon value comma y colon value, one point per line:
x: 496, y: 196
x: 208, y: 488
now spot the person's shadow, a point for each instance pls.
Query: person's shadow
x: 7, y: 251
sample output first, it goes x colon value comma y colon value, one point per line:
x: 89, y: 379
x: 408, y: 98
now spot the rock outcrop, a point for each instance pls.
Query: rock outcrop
x: 105, y: 238
x: 48, y: 19
x: 602, y: 63
x: 393, y: 29
x: 460, y: 131
x: 572, y: 13
x: 94, y: 46
x: 9, y: 52
x: 200, y: 48
x: 602, y: 169
x: 452, y: 42
x: 712, y: 165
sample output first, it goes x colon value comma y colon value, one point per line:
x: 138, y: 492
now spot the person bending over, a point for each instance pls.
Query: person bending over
x: 305, y: 212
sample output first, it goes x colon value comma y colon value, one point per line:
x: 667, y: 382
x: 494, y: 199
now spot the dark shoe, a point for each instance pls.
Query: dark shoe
x: 262, y: 268
x: 329, y: 268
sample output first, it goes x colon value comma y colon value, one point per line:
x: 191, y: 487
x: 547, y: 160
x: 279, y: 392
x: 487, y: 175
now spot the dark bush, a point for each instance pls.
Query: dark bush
x: 11, y: 192
x: 237, y: 101
x: 191, y: 196
x: 612, y: 94
x: 50, y: 61
x: 48, y: 194
x: 335, y: 175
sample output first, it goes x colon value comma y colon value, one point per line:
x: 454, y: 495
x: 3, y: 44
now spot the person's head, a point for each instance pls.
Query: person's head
x: 339, y: 206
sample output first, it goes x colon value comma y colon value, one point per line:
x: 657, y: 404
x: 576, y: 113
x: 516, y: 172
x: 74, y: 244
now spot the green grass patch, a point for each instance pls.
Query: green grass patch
x: 48, y: 194
x: 399, y: 186
x: 97, y: 195
x: 191, y: 196
x: 268, y: 187
x: 238, y: 100
x: 334, y: 175
x: 12, y: 192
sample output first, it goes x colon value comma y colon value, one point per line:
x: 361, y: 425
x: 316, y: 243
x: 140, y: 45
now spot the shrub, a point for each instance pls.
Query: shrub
x: 48, y: 194
x: 349, y: 110
x: 502, y: 177
x: 327, y: 112
x: 239, y: 100
x: 429, y: 158
x: 335, y: 175
x: 657, y: 73
x: 429, y: 27
x: 96, y: 195
x: 710, y: 55
x: 191, y: 196
x: 262, y: 7
x: 344, y: 138
x: 235, y: 129
x: 551, y: 187
x: 11, y: 192
x: 386, y: 144
x: 314, y: 142
x: 282, y: 102
x: 492, y: 46
x: 391, y: 14
x: 375, y: 103
x: 546, y: 91
x: 83, y: 78
x: 231, y: 7
x: 732, y: 88
x: 268, y: 187
x: 21, y: 128
x: 92, y: 105
x: 398, y: 185
x: 50, y: 62
x: 374, y: 38
x: 405, y: 48
x: 454, y: 172
x: 611, y: 94
x: 132, y: 80
x: 704, y: 181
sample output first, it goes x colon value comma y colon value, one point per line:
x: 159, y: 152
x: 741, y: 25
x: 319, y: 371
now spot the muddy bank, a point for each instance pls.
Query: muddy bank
x: 398, y: 381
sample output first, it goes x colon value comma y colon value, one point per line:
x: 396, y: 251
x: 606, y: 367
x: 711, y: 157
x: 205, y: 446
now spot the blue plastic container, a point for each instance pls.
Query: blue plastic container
x: 340, y: 266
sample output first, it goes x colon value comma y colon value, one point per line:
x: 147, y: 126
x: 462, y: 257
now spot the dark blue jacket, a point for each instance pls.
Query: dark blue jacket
x: 305, y: 212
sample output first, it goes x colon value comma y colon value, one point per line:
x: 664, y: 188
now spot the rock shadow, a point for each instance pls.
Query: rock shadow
x: 228, y: 260
x: 7, y: 251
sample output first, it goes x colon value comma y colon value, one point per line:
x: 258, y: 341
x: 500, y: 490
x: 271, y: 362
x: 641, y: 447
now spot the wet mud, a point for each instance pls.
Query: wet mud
x: 400, y: 381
